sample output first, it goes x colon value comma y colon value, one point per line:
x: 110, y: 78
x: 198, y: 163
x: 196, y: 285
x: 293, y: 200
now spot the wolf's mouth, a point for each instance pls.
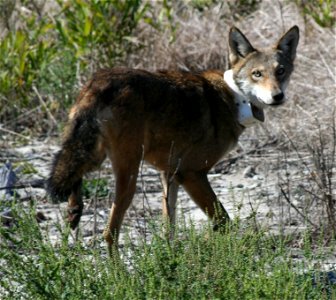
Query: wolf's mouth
x: 258, y: 113
x: 278, y: 103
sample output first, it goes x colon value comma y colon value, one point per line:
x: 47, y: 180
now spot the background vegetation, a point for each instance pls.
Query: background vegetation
x: 48, y: 49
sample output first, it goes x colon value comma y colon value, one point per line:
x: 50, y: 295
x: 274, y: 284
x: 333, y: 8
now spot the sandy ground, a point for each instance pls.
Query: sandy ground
x: 248, y: 189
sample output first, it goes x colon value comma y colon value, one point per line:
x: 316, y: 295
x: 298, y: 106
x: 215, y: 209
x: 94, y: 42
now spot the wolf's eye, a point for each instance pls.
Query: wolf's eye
x: 256, y: 74
x: 280, y: 71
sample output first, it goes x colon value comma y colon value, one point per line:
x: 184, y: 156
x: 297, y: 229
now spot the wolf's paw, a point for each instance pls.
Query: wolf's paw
x: 74, y: 215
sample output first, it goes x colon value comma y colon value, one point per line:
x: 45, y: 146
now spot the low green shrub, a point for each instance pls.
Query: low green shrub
x: 198, y: 264
x: 55, y: 51
x: 322, y: 11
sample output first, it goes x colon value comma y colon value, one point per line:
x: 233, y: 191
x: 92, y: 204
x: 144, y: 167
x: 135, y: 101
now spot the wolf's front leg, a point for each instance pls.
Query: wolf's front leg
x: 198, y: 187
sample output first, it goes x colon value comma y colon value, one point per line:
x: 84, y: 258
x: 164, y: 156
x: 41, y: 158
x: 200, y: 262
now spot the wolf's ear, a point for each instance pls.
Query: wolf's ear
x: 239, y: 45
x: 289, y: 41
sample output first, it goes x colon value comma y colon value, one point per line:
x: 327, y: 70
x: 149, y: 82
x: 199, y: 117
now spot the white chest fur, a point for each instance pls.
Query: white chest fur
x: 245, y: 113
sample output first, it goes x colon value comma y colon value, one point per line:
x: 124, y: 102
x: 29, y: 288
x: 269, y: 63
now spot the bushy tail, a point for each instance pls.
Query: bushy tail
x: 76, y: 157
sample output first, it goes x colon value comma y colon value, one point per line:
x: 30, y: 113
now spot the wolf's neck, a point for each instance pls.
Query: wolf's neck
x: 246, y: 116
x: 228, y: 78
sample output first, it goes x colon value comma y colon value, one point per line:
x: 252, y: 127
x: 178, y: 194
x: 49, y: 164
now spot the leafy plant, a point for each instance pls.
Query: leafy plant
x: 51, y: 53
x: 95, y: 187
x: 98, y: 31
x: 322, y: 11
x: 25, y: 52
x: 199, y: 264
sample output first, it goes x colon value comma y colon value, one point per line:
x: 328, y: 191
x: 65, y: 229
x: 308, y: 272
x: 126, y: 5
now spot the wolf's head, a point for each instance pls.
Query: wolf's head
x: 262, y: 76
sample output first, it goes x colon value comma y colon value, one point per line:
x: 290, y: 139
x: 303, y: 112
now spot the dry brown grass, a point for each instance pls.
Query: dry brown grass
x: 304, y: 127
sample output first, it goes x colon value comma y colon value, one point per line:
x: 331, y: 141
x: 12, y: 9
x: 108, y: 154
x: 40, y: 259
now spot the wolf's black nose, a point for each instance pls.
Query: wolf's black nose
x: 278, y: 97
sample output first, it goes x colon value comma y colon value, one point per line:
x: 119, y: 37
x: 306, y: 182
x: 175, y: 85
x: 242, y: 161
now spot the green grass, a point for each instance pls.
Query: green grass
x: 199, y: 264
x: 54, y: 50
x: 95, y: 188
x: 322, y: 11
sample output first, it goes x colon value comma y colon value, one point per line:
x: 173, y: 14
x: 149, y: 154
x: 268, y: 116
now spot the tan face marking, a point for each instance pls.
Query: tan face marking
x: 275, y: 65
x: 269, y: 84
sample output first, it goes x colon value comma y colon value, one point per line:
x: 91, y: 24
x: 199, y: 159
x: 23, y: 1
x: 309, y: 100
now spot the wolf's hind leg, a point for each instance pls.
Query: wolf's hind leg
x: 126, y: 170
x: 170, y: 191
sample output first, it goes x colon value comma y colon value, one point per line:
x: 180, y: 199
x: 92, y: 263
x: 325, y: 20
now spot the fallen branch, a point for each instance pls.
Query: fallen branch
x: 45, y: 106
x: 295, y: 207
x: 14, y: 133
x: 38, y: 183
x: 226, y: 164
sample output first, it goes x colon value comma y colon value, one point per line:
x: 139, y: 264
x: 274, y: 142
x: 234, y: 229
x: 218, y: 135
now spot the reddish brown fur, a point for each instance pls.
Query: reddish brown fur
x: 180, y: 122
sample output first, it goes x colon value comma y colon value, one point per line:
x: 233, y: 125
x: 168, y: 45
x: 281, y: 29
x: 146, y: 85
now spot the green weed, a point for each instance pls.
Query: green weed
x: 198, y: 264
x: 322, y: 11
x: 53, y: 52
x: 95, y: 187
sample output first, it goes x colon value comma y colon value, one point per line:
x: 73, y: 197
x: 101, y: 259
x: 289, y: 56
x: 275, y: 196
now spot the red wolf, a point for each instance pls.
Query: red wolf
x: 180, y: 122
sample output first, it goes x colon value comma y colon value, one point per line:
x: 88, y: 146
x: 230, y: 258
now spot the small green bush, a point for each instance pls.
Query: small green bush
x: 198, y: 264
x: 322, y: 11
x: 95, y: 188
x: 55, y: 51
